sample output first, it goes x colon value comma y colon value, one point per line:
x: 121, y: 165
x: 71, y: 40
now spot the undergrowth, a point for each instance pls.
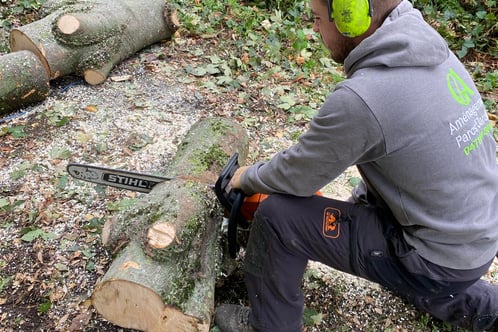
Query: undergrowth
x: 277, y: 43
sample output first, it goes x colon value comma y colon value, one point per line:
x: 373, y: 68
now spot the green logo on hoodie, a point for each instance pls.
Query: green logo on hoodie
x: 458, y: 89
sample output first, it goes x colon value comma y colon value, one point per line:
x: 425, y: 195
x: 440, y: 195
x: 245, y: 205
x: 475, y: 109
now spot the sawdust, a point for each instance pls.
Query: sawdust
x: 51, y: 253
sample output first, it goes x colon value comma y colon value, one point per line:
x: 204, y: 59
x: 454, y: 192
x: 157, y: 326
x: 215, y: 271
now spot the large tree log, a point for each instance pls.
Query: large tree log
x: 91, y: 37
x: 168, y: 244
x: 23, y: 80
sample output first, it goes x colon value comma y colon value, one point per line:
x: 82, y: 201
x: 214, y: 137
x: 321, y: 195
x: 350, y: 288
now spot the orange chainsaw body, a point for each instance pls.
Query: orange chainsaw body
x: 251, y: 204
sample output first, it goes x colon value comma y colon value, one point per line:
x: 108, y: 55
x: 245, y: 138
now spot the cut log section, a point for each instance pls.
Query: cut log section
x: 91, y: 37
x: 167, y: 245
x: 23, y: 80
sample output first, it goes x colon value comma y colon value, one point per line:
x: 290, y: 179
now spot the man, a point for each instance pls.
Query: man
x: 426, y: 224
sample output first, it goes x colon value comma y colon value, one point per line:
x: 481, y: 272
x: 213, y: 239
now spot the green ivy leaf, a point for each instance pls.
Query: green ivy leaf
x: 312, y: 317
x: 354, y: 181
x: 4, y: 202
x: 36, y: 233
x: 63, y: 121
x: 18, y: 132
x: 212, y: 69
x: 45, y: 307
x: 481, y: 14
x: 31, y: 235
x: 122, y: 205
x: 5, y: 282
x: 60, y: 153
x: 286, y: 102
x: 62, y: 181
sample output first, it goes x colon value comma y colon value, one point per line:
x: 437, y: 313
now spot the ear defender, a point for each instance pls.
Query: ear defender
x: 351, y: 17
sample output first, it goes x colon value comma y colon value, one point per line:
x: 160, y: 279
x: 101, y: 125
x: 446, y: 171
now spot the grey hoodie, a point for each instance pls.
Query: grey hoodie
x: 411, y: 119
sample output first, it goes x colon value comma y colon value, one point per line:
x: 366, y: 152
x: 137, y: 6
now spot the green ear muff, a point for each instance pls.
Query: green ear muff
x: 352, y: 17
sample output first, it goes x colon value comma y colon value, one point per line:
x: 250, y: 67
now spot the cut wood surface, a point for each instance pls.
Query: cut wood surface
x: 167, y: 245
x: 23, y: 80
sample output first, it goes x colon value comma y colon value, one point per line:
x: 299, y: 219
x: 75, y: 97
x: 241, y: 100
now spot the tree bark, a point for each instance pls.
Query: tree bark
x: 91, y: 37
x: 23, y: 81
x: 168, y: 245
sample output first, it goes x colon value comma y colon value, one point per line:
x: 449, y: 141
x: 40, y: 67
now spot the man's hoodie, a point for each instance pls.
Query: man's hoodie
x: 411, y: 119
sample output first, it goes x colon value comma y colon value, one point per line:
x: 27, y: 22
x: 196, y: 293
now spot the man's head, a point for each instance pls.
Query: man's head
x: 338, y: 43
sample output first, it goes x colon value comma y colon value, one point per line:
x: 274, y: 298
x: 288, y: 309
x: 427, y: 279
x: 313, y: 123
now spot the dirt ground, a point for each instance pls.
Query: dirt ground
x: 51, y: 254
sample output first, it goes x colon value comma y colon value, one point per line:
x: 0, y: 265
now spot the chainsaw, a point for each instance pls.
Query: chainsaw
x: 239, y: 207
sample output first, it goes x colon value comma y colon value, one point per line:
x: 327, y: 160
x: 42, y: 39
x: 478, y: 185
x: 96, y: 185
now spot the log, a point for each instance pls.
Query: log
x: 167, y: 247
x: 23, y: 81
x: 91, y: 37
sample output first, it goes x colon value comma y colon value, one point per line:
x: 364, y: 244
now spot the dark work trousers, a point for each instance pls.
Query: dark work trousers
x: 360, y: 240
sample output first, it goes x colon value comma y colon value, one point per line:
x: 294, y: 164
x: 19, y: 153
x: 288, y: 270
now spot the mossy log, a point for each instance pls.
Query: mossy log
x: 23, y: 80
x: 167, y: 245
x: 90, y: 37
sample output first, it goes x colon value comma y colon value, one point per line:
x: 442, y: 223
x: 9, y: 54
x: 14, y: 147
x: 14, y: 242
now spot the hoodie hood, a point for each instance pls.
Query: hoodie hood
x: 403, y: 40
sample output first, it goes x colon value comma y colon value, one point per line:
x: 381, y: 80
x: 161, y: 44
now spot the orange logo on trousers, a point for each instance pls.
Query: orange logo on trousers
x: 331, y: 225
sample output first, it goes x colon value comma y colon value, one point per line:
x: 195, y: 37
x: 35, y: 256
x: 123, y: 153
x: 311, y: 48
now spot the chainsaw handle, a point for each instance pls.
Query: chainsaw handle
x: 232, y: 223
x: 222, y: 186
x: 232, y: 200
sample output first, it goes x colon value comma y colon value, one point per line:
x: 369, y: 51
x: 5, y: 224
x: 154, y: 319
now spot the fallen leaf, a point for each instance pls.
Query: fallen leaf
x: 300, y: 60
x: 80, y: 321
x: 245, y: 58
x: 91, y: 108
x: 39, y: 255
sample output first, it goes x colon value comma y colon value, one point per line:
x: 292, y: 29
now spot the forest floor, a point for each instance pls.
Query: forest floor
x: 51, y: 254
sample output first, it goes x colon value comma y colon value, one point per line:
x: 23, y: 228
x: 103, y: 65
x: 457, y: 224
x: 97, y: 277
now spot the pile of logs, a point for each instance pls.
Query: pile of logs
x: 168, y: 248
x: 84, y: 37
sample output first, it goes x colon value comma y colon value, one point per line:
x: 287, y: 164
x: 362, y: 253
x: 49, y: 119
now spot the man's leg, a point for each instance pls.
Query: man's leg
x: 474, y: 308
x: 287, y: 231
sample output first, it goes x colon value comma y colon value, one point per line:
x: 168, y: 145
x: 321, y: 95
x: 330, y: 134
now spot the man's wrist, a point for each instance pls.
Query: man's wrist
x: 237, y: 176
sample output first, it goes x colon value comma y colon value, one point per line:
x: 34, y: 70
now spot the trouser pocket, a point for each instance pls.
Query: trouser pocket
x: 392, y: 273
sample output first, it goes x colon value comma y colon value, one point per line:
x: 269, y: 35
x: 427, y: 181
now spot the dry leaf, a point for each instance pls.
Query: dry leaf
x: 91, y: 108
x: 80, y: 321
x: 245, y: 58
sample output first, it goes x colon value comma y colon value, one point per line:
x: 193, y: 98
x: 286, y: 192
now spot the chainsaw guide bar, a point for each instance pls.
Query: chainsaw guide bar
x: 115, y: 177
x: 231, y: 199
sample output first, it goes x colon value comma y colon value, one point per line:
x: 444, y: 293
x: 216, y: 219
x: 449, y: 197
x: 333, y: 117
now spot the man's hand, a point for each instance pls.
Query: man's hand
x: 235, y: 182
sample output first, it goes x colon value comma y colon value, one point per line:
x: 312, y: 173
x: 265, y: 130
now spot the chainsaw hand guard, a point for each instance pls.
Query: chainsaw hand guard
x: 222, y: 187
x: 232, y: 200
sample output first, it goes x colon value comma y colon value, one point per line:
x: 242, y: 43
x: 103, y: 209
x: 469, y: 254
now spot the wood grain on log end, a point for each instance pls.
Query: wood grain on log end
x: 68, y: 24
x: 19, y: 41
x: 94, y: 77
x: 161, y: 235
x: 134, y: 306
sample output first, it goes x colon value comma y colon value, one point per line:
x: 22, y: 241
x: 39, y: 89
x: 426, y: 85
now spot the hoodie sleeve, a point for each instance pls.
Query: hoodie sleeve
x: 342, y: 134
